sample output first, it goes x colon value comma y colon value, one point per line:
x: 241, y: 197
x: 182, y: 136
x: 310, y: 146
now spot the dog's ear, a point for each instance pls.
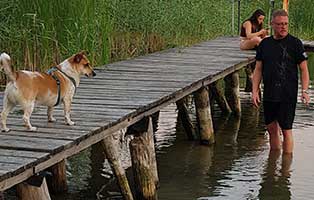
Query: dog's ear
x: 78, y: 57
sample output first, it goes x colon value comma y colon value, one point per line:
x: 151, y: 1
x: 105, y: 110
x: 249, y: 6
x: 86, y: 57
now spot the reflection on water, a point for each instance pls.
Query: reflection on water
x: 276, y: 177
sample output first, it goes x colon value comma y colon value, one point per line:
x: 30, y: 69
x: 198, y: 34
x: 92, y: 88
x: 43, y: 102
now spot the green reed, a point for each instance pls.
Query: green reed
x: 40, y: 33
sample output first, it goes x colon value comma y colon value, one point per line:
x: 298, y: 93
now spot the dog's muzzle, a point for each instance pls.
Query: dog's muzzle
x: 92, y: 74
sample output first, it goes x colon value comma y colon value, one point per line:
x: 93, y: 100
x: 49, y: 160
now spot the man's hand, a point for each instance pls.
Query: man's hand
x: 255, y: 98
x: 305, y: 97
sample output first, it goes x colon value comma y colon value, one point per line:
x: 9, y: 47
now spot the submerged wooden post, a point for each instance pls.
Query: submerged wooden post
x: 26, y: 191
x: 232, y: 91
x: 144, y: 163
x: 57, y: 183
x: 220, y: 98
x: 249, y: 76
x: 111, y: 152
x: 184, y: 117
x: 204, y: 117
x: 1, y: 196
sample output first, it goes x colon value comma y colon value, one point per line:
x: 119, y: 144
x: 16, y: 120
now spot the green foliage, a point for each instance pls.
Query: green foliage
x: 40, y: 33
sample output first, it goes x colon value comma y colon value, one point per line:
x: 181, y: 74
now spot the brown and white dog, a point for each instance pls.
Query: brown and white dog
x: 28, y: 88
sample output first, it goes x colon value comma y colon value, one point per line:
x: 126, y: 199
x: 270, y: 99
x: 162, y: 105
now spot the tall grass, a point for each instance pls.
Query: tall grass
x: 40, y: 33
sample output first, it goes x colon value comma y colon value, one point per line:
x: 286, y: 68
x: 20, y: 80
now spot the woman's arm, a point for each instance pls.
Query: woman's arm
x: 248, y: 30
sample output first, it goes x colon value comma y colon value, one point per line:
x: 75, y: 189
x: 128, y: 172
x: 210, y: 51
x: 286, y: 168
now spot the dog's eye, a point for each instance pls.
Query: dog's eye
x: 86, y: 65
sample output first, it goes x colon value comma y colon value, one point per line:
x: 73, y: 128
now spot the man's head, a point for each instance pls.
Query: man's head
x: 279, y: 23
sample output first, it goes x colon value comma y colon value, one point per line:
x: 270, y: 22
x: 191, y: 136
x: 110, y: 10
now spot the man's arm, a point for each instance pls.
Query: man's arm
x: 305, y: 79
x: 257, y: 77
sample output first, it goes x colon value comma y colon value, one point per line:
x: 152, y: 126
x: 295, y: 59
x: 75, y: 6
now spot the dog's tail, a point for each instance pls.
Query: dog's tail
x: 5, y: 63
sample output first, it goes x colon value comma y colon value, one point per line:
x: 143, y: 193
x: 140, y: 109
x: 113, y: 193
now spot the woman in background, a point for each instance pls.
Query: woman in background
x: 252, y: 31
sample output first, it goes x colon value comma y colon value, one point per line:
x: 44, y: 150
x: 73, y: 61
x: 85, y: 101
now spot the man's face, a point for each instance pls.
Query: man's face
x: 280, y: 26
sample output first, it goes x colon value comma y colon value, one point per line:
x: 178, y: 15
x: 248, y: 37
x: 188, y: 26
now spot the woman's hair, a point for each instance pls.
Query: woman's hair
x: 254, y: 17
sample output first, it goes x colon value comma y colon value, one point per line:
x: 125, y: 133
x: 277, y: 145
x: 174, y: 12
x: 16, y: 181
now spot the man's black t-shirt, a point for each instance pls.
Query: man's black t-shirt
x: 280, y: 59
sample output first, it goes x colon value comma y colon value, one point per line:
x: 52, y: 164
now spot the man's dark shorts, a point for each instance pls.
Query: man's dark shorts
x: 283, y: 112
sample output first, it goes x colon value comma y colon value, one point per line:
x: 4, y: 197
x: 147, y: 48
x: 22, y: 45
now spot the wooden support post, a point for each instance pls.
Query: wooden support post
x: 204, y: 117
x: 26, y: 191
x: 183, y: 116
x: 220, y: 98
x: 57, y: 183
x: 144, y: 163
x: 110, y: 149
x: 155, y: 119
x: 249, y: 76
x: 232, y: 91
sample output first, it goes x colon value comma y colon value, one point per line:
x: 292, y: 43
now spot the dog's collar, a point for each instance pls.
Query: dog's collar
x: 50, y: 72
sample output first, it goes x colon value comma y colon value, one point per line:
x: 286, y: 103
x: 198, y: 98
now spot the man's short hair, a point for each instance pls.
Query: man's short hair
x: 280, y: 12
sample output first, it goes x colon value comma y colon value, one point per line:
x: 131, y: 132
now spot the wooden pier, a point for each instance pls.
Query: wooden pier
x: 123, y: 95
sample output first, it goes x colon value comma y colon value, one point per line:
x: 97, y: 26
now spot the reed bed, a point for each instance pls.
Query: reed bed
x: 40, y: 33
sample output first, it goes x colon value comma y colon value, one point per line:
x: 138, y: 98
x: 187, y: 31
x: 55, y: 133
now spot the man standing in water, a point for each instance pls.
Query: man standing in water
x: 277, y: 60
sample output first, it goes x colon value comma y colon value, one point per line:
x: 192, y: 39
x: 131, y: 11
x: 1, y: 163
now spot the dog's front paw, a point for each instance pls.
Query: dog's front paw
x: 33, y: 129
x: 52, y: 119
x: 70, y: 123
x: 5, y: 130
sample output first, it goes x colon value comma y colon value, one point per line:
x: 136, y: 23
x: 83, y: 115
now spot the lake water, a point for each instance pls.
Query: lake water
x: 237, y: 167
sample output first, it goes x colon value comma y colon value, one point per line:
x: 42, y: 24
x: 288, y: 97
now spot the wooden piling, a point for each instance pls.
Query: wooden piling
x: 183, y: 116
x: 249, y: 76
x: 110, y: 149
x: 1, y: 196
x: 232, y: 92
x: 204, y: 117
x: 144, y: 163
x: 26, y: 191
x: 219, y: 97
x: 57, y: 183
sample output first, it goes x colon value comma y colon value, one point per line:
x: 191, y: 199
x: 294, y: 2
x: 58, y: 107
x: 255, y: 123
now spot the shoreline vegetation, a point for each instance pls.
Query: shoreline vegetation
x: 39, y: 34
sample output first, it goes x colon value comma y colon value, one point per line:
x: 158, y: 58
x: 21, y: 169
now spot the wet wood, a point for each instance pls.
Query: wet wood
x: 144, y: 160
x: 183, y: 116
x: 232, y: 92
x: 26, y: 191
x: 110, y: 148
x: 249, y: 69
x: 218, y: 95
x: 204, y: 118
x: 57, y: 182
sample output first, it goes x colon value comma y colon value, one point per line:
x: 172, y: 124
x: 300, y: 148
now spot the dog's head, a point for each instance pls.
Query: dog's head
x: 81, y: 64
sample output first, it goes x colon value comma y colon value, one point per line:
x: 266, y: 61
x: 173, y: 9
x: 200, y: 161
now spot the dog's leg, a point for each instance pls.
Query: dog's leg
x: 28, y: 109
x: 7, y: 107
x: 49, y: 113
x: 67, y: 108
